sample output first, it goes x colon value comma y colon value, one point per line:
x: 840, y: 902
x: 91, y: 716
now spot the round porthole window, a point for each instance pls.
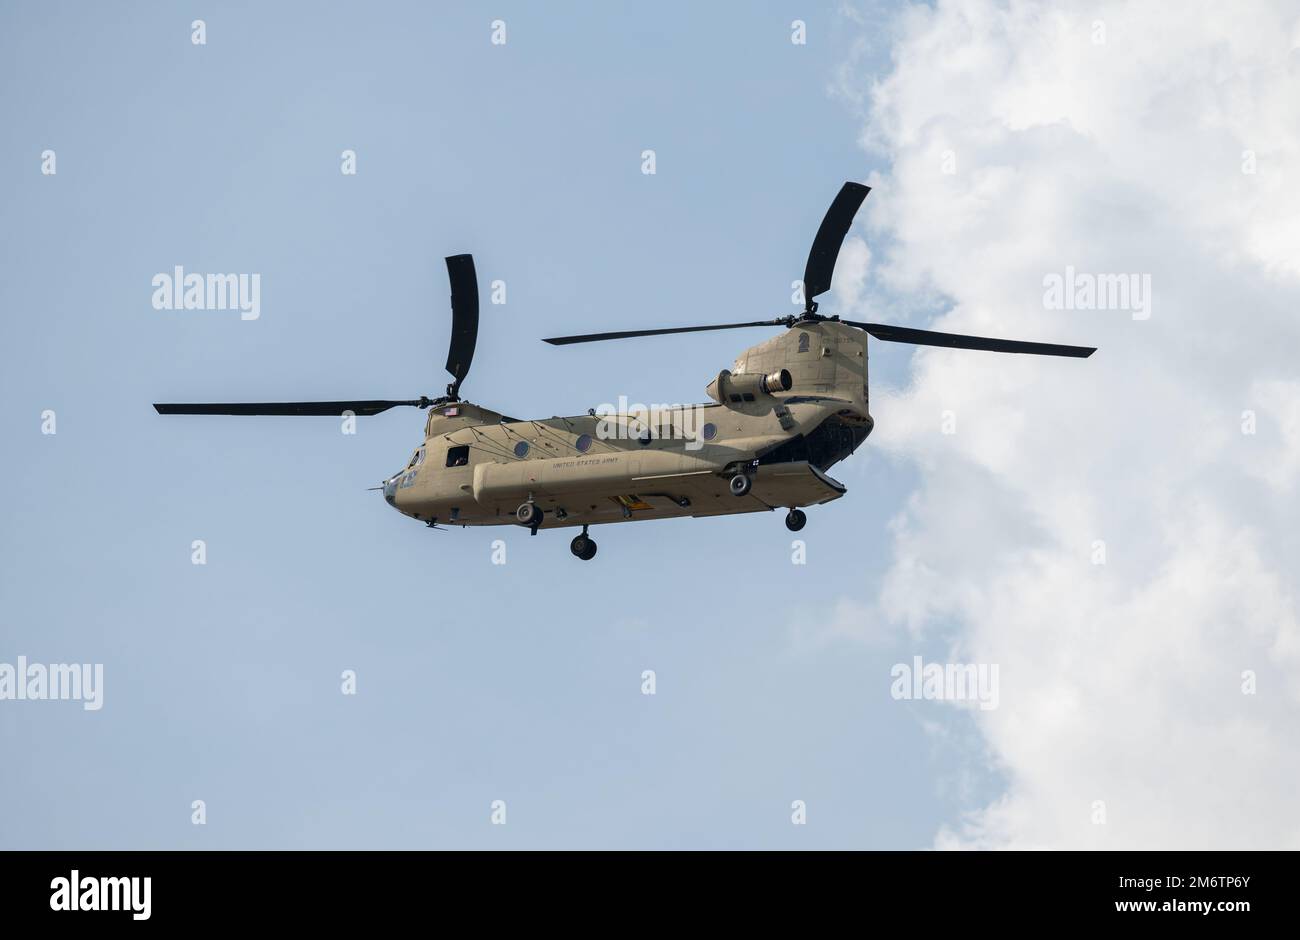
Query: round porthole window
x: 583, y: 443
x: 521, y: 449
x: 710, y: 432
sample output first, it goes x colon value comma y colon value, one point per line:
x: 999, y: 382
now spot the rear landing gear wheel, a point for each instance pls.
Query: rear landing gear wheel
x: 795, y: 520
x: 584, y: 547
x: 740, y: 485
x: 529, y: 514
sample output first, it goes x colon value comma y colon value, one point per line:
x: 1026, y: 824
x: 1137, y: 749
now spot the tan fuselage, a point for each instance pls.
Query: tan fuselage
x: 476, y: 466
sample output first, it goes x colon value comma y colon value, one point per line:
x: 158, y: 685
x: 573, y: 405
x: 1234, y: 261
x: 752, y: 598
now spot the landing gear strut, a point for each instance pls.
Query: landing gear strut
x: 583, y: 546
x: 795, y: 520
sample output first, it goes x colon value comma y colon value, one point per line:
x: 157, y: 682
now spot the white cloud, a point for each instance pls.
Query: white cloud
x: 851, y: 268
x: 1120, y: 682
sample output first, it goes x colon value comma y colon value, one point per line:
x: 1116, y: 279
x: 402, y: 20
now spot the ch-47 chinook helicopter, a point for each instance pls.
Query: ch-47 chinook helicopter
x: 787, y: 410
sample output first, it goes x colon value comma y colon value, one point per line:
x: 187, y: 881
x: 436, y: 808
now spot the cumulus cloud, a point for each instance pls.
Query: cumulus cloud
x: 851, y: 269
x: 1118, y: 533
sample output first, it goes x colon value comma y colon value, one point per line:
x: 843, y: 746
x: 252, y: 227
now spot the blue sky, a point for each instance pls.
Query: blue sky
x: 476, y: 682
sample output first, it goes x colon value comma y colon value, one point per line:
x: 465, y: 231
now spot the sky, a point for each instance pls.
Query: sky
x: 1116, y: 535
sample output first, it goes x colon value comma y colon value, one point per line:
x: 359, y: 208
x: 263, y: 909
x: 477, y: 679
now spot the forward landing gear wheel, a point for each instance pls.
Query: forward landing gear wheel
x: 529, y: 514
x: 583, y: 547
x: 795, y: 520
x: 740, y: 485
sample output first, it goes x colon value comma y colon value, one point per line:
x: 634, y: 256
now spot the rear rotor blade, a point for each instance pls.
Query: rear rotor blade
x: 295, y: 408
x: 904, y: 334
x: 628, y: 334
x: 464, y: 318
x: 826, y: 246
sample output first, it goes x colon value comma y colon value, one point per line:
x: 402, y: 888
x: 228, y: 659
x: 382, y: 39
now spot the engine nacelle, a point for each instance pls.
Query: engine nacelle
x: 734, y: 389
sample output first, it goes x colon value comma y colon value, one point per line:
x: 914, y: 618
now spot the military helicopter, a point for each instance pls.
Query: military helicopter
x: 788, y: 410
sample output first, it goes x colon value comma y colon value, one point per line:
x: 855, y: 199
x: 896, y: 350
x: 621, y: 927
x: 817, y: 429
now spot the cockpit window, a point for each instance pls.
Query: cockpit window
x: 417, y: 458
x: 458, y: 456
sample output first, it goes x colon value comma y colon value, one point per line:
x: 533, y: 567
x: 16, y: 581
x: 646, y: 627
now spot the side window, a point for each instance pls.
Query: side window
x: 458, y: 456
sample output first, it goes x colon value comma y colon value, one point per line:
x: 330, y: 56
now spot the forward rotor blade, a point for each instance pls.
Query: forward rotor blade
x: 628, y: 334
x: 826, y: 246
x: 904, y: 334
x: 295, y: 408
x: 464, y: 318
